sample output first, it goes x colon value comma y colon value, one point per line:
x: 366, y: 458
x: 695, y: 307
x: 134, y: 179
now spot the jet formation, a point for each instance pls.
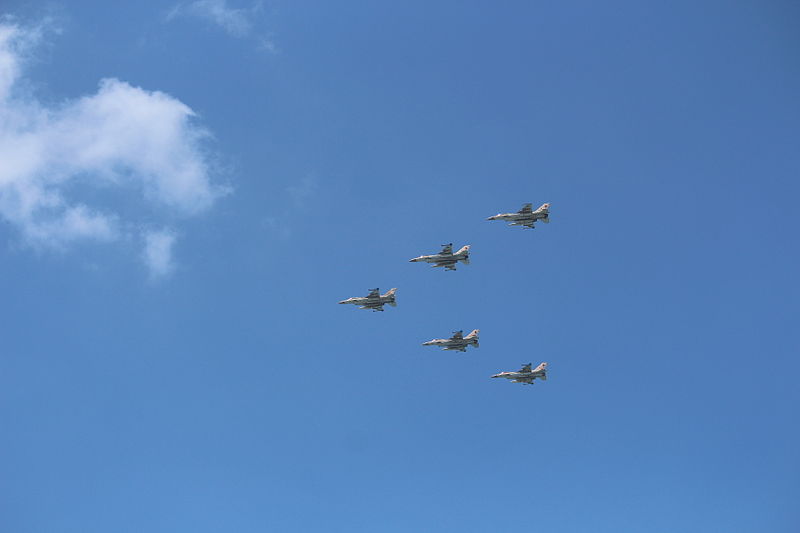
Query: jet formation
x: 446, y: 258
x: 525, y: 217
x: 457, y: 342
x: 525, y: 375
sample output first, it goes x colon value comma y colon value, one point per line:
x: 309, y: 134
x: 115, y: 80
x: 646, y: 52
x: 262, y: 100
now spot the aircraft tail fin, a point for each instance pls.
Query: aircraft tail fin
x: 473, y: 337
x: 390, y: 295
x: 541, y: 368
x: 464, y: 252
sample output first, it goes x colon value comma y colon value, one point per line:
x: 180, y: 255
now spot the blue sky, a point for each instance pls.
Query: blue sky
x: 175, y: 238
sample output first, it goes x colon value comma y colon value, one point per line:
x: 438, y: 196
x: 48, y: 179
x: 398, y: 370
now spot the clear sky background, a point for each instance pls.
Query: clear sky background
x: 172, y: 357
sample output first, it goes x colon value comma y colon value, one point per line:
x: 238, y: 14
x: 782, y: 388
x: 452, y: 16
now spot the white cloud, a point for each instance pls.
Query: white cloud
x: 237, y: 22
x: 158, y: 252
x: 55, y: 162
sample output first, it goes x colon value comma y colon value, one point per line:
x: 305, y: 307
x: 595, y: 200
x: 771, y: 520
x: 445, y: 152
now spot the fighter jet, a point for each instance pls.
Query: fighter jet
x: 446, y: 258
x: 457, y: 342
x: 374, y: 300
x: 526, y: 216
x: 525, y: 375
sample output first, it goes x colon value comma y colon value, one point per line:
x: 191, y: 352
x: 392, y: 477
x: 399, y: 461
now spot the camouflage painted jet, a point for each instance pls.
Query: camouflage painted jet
x: 525, y: 375
x: 526, y: 216
x: 374, y: 300
x: 457, y: 342
x: 446, y: 258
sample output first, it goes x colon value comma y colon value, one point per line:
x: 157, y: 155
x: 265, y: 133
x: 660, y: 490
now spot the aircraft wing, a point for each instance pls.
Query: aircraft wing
x: 447, y: 249
x: 457, y: 336
x: 526, y: 368
x: 374, y: 293
x: 526, y: 209
x: 529, y: 381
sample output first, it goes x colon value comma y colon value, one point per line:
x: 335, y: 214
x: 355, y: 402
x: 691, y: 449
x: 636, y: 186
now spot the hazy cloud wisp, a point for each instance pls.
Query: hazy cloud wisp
x: 158, y: 252
x: 237, y: 22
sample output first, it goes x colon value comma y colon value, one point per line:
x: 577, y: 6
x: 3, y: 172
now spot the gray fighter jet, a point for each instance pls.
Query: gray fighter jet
x: 525, y: 375
x: 374, y: 300
x: 457, y: 342
x: 525, y: 217
x: 446, y: 258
